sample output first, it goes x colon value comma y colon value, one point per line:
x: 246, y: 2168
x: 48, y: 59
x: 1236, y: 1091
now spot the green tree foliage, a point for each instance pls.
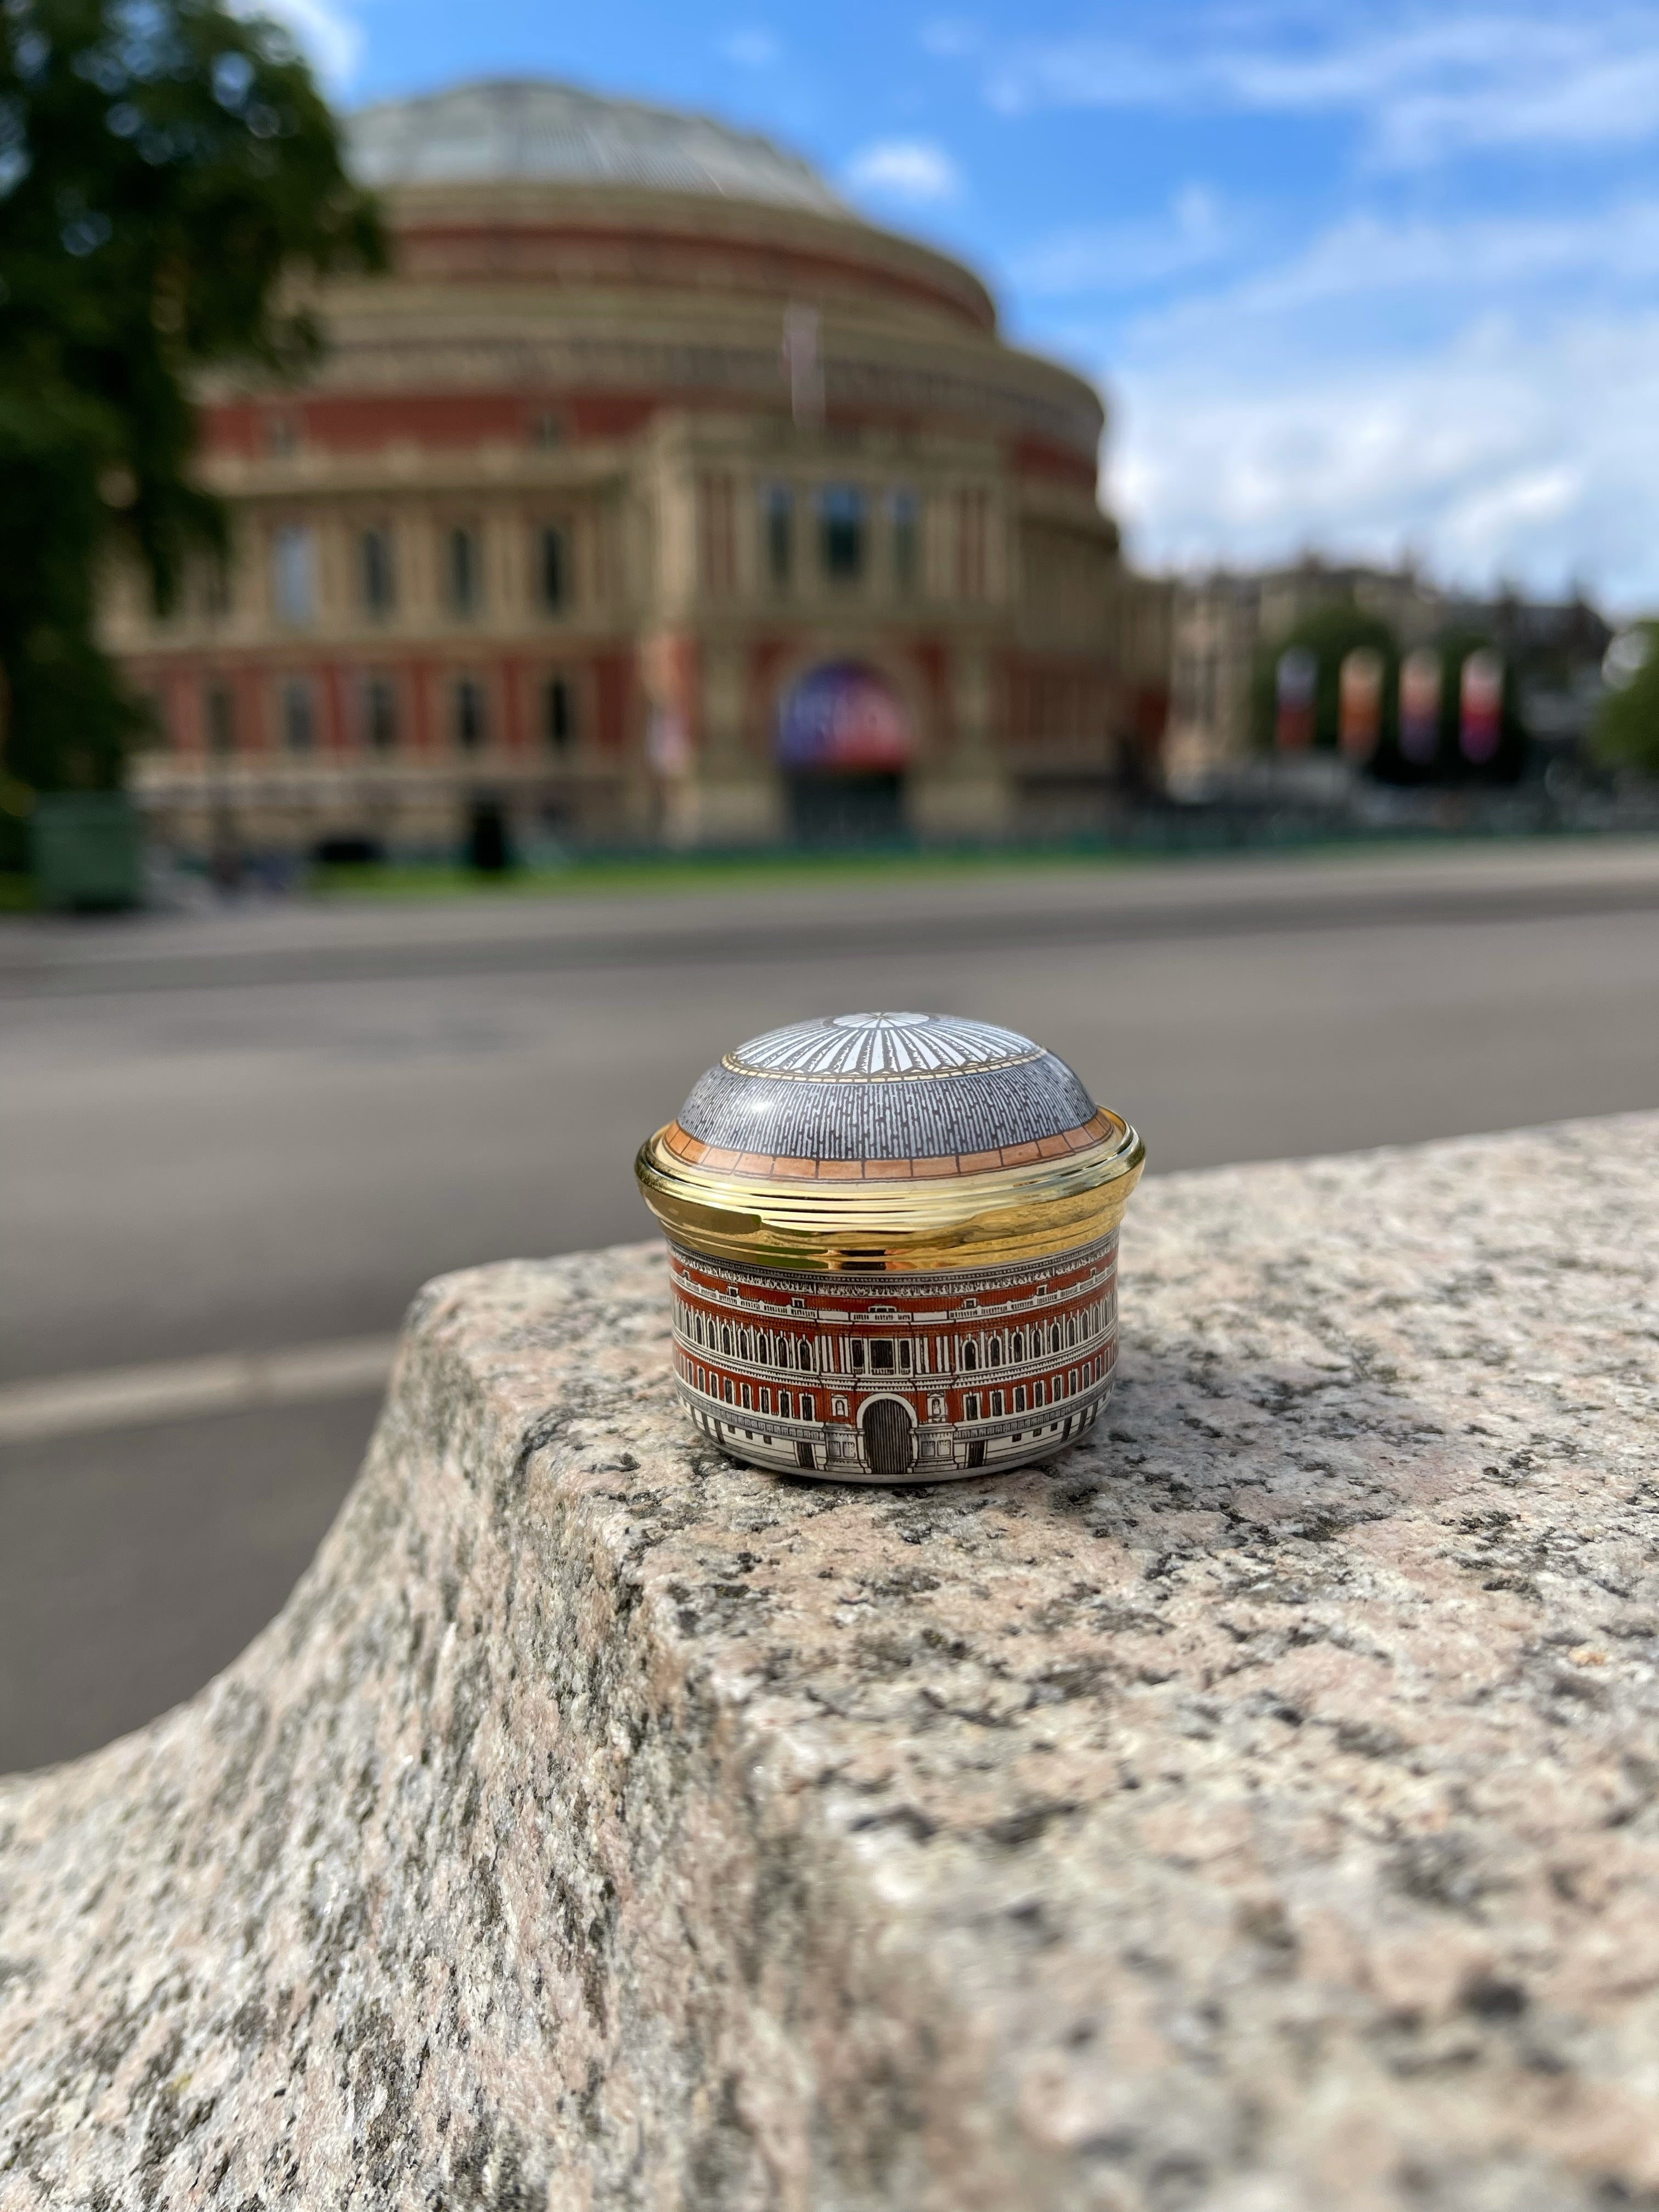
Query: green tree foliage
x: 1627, y: 727
x: 170, y: 178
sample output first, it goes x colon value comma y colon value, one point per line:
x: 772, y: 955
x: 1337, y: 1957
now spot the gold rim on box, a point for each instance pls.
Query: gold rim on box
x: 890, y: 1227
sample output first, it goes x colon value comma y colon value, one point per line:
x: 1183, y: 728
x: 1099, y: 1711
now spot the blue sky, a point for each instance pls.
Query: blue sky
x: 1376, y: 278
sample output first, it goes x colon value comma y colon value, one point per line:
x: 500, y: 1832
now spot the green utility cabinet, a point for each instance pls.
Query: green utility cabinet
x: 88, y: 851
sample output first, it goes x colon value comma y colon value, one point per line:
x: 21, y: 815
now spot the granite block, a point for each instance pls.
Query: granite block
x: 1255, y: 1810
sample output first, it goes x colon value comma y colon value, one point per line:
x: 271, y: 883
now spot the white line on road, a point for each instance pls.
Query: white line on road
x: 125, y: 1397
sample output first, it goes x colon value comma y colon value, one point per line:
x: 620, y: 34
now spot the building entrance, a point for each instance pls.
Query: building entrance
x: 844, y: 742
x: 889, y: 1441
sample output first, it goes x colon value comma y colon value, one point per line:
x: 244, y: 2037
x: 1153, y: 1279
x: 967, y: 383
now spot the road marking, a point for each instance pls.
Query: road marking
x: 178, y: 1390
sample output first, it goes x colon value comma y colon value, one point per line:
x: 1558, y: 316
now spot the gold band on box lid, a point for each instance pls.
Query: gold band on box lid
x: 890, y: 1223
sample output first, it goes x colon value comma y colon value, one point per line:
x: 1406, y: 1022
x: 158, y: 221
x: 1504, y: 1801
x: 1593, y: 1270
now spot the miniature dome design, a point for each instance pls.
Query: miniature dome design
x: 884, y: 1088
x: 892, y: 1246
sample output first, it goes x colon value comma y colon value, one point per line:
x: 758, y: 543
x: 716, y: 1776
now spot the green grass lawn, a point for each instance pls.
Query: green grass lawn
x: 690, y: 873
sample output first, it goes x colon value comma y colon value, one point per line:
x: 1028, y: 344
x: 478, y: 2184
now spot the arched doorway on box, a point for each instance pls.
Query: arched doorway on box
x: 844, y: 743
x: 890, y: 1438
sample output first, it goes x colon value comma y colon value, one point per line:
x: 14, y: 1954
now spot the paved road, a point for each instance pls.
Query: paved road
x: 236, y: 1134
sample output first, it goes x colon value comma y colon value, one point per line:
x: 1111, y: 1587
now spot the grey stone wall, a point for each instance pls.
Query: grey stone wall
x: 1257, y: 1811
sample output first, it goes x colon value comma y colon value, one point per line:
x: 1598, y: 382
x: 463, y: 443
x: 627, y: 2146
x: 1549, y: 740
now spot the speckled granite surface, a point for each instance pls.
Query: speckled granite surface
x: 1256, y: 1811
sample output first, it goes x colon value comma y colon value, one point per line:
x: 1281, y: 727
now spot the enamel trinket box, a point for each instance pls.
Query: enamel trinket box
x: 893, y: 1243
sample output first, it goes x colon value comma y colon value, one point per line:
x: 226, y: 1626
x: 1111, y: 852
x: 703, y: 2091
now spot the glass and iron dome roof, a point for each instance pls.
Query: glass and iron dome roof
x: 523, y: 130
x: 887, y: 1086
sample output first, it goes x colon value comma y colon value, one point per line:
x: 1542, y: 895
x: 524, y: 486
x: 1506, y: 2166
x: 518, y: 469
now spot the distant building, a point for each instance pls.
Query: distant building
x: 1221, y: 622
x: 653, y: 492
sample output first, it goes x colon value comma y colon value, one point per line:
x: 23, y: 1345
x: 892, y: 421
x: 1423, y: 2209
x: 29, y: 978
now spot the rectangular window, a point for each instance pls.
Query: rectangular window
x: 553, y: 569
x: 996, y: 1403
x: 806, y: 1413
x: 298, y: 730
x: 463, y: 571
x: 904, y: 509
x: 219, y: 714
x: 766, y: 1401
x: 375, y: 572
x: 1071, y: 1381
x: 1039, y: 1393
x: 784, y: 1403
x: 856, y: 1349
x: 904, y: 1355
x: 559, y: 715
x: 380, y: 714
x: 293, y: 573
x: 840, y: 532
x: 778, y: 525
x: 971, y: 1406
x: 748, y: 1400
x: 1020, y: 1397
x: 882, y: 1356
x: 470, y: 726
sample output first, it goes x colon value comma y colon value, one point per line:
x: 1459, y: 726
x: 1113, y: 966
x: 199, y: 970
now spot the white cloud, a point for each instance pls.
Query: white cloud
x: 753, y: 48
x: 1119, y: 256
x: 329, y: 36
x: 1530, y: 451
x: 913, y: 169
x: 1425, y: 82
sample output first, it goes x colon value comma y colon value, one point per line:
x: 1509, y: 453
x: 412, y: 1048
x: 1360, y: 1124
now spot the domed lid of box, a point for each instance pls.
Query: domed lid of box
x: 884, y: 1088
x: 888, y: 1139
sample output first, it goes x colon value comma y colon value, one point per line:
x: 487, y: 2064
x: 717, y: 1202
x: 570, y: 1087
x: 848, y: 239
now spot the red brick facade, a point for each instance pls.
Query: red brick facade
x: 988, y: 1368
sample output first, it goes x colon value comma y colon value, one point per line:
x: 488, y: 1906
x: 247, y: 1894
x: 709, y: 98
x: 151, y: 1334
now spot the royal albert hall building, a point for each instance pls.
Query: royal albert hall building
x: 653, y: 493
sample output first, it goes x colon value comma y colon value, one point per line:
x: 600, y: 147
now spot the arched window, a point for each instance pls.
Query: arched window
x: 840, y: 532
x: 468, y: 714
x: 1054, y: 1338
x: 375, y: 572
x: 993, y: 1352
x: 553, y: 569
x: 804, y: 1356
x: 970, y: 1352
x: 294, y: 573
x: 559, y: 713
x: 1071, y: 1328
x: 1016, y: 1347
x: 726, y: 1341
x: 783, y: 1351
x: 463, y: 571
